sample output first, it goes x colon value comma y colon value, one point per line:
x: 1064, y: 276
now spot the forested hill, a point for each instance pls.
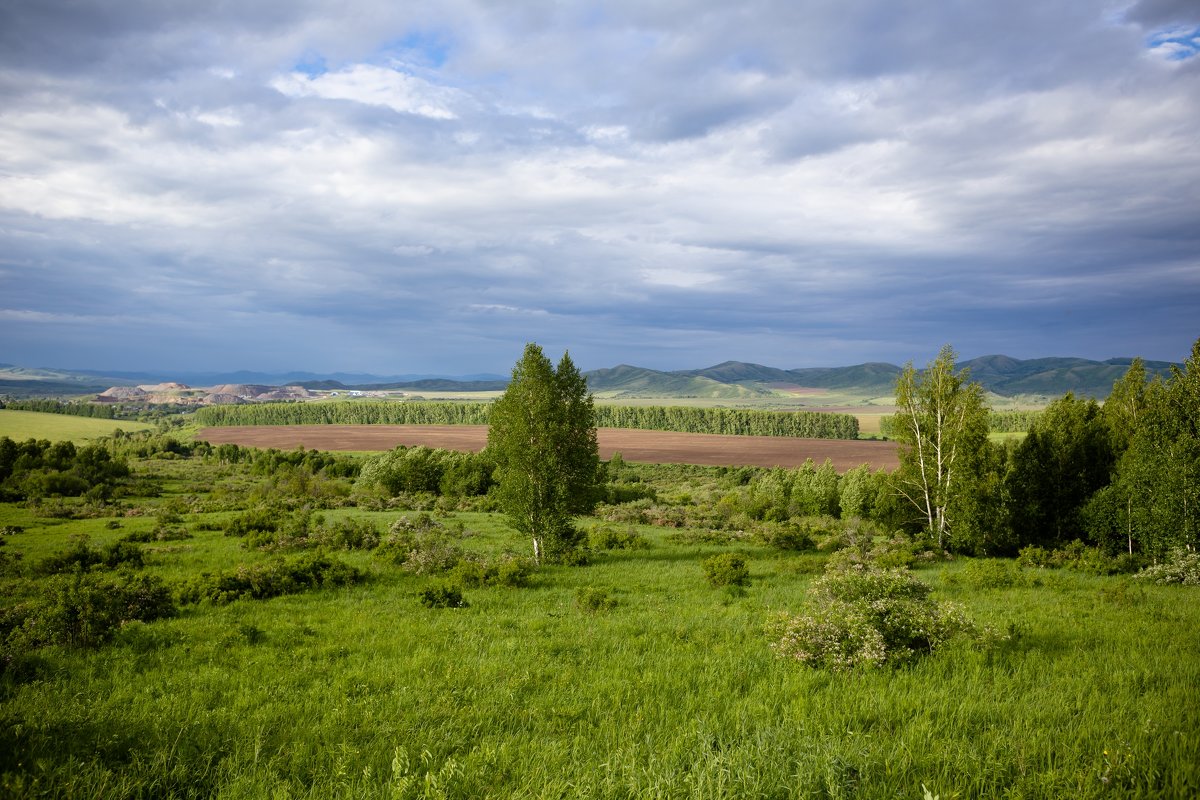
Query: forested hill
x: 1000, y: 374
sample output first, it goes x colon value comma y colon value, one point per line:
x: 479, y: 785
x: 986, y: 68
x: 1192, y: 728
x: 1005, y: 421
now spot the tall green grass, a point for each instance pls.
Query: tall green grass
x: 674, y: 692
x: 22, y: 425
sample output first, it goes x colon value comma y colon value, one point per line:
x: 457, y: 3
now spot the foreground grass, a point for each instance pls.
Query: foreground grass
x: 22, y: 425
x: 675, y: 692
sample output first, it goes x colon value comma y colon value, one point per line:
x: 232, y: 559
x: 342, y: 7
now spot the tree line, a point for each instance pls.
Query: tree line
x: 997, y: 422
x: 735, y: 421
x: 56, y: 407
x: 1123, y: 477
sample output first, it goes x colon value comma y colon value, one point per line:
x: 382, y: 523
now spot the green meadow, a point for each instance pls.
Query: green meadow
x: 21, y: 425
x: 666, y: 688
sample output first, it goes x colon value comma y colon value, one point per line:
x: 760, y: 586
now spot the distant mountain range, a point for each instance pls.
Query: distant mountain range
x: 998, y: 374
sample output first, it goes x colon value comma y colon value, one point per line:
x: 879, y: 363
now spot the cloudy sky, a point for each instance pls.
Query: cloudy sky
x: 409, y: 187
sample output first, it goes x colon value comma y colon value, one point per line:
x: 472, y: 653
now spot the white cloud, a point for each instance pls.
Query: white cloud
x: 375, y: 86
x: 737, y: 174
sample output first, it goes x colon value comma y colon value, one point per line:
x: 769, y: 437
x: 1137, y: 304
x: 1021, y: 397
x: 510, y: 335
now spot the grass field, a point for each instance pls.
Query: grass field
x: 673, y: 692
x: 21, y: 425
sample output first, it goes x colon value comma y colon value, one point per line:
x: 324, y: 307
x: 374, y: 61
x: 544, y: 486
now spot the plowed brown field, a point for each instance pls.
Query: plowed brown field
x: 634, y: 445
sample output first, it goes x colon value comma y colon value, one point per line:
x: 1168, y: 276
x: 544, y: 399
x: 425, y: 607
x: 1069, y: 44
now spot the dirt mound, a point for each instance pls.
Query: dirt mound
x: 286, y: 393
x: 122, y: 393
x: 170, y: 386
x: 241, y: 389
x: 222, y: 399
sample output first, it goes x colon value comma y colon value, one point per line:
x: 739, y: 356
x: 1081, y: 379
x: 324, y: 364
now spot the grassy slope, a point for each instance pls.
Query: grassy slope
x: 675, y: 693
x: 21, y: 425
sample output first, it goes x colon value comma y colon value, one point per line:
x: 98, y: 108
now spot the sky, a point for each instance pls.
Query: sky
x: 422, y: 187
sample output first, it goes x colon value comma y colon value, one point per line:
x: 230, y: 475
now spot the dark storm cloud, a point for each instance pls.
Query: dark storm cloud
x: 424, y: 187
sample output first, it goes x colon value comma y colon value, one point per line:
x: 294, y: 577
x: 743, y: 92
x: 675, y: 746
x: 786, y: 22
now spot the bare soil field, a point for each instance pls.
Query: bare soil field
x: 634, y: 445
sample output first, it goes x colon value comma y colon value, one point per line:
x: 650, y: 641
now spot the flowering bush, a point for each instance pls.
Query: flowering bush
x: 1182, y: 566
x: 868, y: 617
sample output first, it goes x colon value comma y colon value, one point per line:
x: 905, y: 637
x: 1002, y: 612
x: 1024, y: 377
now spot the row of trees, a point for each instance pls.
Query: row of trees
x: 997, y: 422
x: 94, y: 410
x: 734, y: 421
x: 366, y: 412
x: 1124, y: 476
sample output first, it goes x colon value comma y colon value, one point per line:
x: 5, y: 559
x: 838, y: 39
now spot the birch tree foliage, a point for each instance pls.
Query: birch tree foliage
x: 1158, y: 475
x: 941, y: 425
x: 542, y: 437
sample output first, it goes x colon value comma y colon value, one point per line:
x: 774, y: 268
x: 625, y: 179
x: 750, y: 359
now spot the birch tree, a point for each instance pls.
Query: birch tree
x: 542, y: 437
x: 941, y: 425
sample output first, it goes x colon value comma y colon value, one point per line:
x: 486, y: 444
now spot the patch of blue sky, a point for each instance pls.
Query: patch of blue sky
x: 311, y: 64
x: 1176, y: 43
x: 423, y: 48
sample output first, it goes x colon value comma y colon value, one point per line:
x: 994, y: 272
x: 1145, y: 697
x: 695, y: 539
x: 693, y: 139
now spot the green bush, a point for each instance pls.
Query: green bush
x: 442, y: 595
x: 256, y: 519
x: 270, y: 579
x: 508, y: 571
x: 796, y: 538
x: 512, y: 571
x: 9, y: 562
x: 83, y: 610
x: 468, y: 574
x: 422, y: 545
x: 987, y: 573
x: 81, y: 555
x: 859, y: 547
x: 348, y: 534
x: 1034, y: 556
x: 867, y: 617
x: 616, y: 494
x: 1079, y: 556
x: 591, y: 599
x: 726, y: 569
x: 606, y: 537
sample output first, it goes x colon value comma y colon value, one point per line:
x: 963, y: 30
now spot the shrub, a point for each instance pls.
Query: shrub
x: 987, y: 573
x: 867, y: 617
x: 726, y: 569
x: 433, y: 552
x: 1079, y: 556
x: 348, y: 534
x: 256, y: 519
x: 607, y: 537
x: 512, y: 571
x: 81, y: 555
x: 1034, y: 556
x: 271, y: 579
x: 84, y: 610
x: 508, y: 570
x: 861, y: 547
x: 9, y: 562
x: 796, y: 538
x: 468, y: 574
x: 442, y: 595
x: 591, y: 599
x: 1181, y: 566
x: 616, y: 494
